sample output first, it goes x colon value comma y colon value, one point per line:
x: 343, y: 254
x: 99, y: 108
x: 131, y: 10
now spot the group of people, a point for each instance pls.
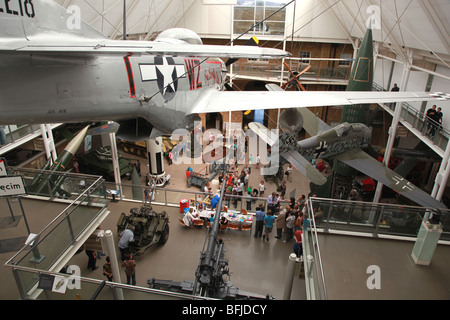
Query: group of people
x: 128, y: 263
x: 433, y: 118
x: 238, y: 185
x: 433, y: 121
x: 289, y: 219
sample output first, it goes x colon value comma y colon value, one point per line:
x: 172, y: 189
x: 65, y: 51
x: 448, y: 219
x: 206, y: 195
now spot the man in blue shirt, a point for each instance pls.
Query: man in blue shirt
x: 268, y: 223
x: 259, y: 217
x: 215, y: 201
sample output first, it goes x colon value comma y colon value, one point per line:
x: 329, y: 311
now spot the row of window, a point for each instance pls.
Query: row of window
x: 248, y: 15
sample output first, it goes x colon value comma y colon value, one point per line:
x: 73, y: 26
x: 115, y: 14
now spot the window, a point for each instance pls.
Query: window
x: 347, y: 61
x: 248, y: 15
x: 304, y: 55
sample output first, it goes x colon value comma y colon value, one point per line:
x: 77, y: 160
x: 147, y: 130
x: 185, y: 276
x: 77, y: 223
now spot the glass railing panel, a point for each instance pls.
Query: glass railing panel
x: 60, y: 233
x: 396, y: 220
x: 49, y: 247
x: 346, y: 216
x: 26, y: 281
x: 400, y: 221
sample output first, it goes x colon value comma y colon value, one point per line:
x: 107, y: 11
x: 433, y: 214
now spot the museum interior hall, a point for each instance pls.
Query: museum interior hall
x: 225, y: 150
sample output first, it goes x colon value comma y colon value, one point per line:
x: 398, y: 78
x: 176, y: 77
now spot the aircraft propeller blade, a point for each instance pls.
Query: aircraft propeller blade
x: 295, y: 77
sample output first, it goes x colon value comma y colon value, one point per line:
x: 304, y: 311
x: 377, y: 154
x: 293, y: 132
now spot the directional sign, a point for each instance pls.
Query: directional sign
x: 12, y: 186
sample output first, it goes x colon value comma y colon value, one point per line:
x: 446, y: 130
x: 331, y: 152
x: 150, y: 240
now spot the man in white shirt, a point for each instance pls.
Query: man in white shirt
x: 189, y: 217
x: 126, y: 237
x: 272, y: 202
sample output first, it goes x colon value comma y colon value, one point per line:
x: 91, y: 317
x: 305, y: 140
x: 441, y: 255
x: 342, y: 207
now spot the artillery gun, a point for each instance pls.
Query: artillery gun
x: 150, y: 228
x: 211, y: 271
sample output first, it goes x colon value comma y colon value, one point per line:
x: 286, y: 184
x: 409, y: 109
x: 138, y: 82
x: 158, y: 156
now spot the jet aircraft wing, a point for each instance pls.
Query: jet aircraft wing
x: 364, y: 163
x: 89, y: 47
x: 224, y: 101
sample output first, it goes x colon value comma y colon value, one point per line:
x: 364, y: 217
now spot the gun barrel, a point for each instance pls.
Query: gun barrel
x: 210, y: 258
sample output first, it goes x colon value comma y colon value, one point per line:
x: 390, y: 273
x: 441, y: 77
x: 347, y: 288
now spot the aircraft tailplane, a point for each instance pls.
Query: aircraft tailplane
x: 43, y: 18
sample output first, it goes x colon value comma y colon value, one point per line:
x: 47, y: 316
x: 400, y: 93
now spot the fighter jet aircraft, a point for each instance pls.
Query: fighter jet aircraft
x: 53, y: 70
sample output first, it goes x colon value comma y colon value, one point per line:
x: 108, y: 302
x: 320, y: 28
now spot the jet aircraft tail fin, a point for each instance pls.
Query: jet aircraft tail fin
x: 43, y: 19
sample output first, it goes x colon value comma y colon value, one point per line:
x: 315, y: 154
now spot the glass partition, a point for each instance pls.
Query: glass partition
x: 375, y: 218
x: 63, y: 231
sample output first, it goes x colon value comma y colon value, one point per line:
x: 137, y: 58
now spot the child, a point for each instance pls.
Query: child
x: 262, y: 187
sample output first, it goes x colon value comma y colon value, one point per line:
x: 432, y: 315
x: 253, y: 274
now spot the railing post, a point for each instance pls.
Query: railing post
x: 377, y: 223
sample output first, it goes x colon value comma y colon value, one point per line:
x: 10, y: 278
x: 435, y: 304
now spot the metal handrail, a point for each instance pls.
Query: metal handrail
x: 75, y: 202
x: 317, y: 255
x: 111, y: 284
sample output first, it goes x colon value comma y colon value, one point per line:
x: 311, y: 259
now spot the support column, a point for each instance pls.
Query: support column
x: 156, y: 161
x: 115, y: 160
x: 442, y: 175
x: 289, y: 276
x: 49, y: 143
x: 108, y: 242
x: 427, y: 240
x: 395, y: 121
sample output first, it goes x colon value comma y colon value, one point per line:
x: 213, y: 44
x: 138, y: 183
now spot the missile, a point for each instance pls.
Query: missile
x: 40, y: 183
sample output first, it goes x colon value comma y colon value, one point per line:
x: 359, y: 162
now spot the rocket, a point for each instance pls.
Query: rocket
x: 45, y: 180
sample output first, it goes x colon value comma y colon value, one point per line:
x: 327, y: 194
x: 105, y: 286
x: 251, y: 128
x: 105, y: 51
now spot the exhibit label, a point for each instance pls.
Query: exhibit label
x: 12, y: 186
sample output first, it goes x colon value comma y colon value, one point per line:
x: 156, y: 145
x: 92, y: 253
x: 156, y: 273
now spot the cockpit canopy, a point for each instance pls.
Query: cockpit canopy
x: 179, y: 35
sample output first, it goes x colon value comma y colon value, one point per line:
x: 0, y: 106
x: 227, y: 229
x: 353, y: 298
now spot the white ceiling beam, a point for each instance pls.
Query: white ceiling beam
x: 362, y: 28
x: 185, y: 12
x: 119, y: 28
x: 101, y: 15
x: 436, y: 23
x: 387, y: 32
x: 161, y: 16
x: 339, y: 21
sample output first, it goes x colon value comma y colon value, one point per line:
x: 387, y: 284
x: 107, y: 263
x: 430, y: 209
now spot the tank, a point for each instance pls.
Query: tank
x: 150, y: 228
x: 99, y: 162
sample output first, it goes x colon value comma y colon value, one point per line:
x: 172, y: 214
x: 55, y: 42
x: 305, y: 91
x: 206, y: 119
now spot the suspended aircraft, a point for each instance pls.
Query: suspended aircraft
x: 55, y: 70
x: 344, y: 142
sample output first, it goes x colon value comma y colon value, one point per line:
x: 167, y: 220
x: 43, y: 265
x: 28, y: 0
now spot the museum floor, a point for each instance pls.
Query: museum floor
x: 256, y: 266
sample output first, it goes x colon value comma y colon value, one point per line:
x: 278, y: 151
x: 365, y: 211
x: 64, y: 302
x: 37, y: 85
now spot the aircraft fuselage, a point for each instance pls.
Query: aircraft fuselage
x: 51, y: 89
x: 343, y: 137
